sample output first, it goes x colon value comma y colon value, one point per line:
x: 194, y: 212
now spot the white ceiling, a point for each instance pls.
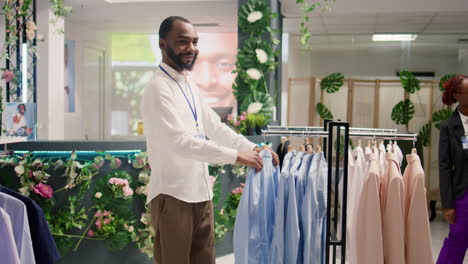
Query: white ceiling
x: 346, y: 17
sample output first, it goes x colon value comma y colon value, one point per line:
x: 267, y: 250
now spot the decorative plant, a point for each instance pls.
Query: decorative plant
x: 332, y: 83
x: 444, y: 79
x: 258, y: 103
x: 424, y: 134
x: 256, y: 56
x: 403, y: 112
x: 237, y: 123
x: 440, y: 116
x: 323, y: 111
x: 261, y: 120
x: 308, y: 9
x: 409, y: 82
x: 250, y: 121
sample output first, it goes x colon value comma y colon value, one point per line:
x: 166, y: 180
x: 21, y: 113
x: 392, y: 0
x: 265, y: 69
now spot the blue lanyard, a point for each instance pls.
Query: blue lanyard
x: 192, y: 108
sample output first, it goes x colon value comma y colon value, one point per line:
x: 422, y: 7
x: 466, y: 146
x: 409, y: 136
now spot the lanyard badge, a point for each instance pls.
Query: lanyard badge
x: 464, y: 141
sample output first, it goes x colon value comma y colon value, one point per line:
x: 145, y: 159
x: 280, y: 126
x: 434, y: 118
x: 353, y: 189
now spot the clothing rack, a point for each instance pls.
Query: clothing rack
x: 336, y: 131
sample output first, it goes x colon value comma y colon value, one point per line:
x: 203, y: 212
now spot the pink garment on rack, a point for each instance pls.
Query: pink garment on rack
x: 393, y: 213
x: 418, y: 243
x: 368, y: 220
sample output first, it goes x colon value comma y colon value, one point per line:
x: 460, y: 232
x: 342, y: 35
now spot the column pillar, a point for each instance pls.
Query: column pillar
x: 50, y: 75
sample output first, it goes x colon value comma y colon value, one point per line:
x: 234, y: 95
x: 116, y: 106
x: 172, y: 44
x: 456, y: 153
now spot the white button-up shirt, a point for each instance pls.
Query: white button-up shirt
x: 464, y: 120
x: 178, y: 159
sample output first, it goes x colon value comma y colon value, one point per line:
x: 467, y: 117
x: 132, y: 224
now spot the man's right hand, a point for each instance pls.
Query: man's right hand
x: 450, y: 215
x: 250, y: 159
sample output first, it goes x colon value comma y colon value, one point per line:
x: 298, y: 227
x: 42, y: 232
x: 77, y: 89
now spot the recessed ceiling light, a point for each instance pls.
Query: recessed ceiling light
x: 394, y: 37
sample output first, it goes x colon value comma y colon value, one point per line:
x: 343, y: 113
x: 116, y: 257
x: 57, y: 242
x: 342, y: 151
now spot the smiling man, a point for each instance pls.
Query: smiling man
x: 177, y: 124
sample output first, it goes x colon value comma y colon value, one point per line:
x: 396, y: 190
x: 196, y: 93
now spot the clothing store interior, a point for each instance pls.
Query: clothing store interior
x: 362, y: 101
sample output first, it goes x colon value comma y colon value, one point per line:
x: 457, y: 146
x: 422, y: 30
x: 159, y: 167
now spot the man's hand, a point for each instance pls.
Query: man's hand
x: 250, y: 159
x: 450, y: 215
x: 273, y: 154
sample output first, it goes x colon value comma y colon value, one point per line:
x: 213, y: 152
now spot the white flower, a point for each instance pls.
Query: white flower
x: 262, y: 56
x: 143, y: 178
x: 254, y: 74
x: 19, y: 169
x: 130, y: 229
x: 254, y: 108
x: 254, y: 16
x: 24, y: 190
x: 98, y: 195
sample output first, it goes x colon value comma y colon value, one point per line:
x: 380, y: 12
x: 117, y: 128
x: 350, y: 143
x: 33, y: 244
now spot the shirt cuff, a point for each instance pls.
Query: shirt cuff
x: 231, y: 155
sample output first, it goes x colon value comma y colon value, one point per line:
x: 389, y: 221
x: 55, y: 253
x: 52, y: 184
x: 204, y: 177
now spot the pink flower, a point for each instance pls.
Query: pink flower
x: 97, y: 214
x: 244, y: 113
x: 98, y: 224
x: 107, y: 213
x: 127, y: 191
x: 90, y: 233
x: 230, y: 117
x: 237, y: 190
x: 237, y: 123
x: 242, y: 117
x: 212, y: 180
x: 107, y: 221
x: 242, y: 184
x: 8, y: 76
x: 118, y: 181
x: 43, y: 190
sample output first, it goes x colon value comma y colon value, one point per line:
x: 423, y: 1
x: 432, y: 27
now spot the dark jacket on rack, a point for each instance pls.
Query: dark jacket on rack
x: 453, y: 161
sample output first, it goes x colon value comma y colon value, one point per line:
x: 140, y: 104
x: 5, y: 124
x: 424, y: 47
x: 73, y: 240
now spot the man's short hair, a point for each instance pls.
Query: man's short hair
x: 166, y: 25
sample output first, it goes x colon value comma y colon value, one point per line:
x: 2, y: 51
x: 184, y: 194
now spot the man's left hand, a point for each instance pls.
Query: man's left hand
x: 273, y: 153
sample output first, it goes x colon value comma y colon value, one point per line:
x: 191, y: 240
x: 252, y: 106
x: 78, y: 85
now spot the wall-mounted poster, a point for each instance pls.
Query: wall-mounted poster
x: 69, y: 100
x: 20, y: 119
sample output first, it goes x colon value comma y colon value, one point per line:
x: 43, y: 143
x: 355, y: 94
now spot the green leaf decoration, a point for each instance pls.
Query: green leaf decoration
x: 117, y: 241
x: 332, y: 83
x: 409, y: 82
x: 403, y: 112
x: 260, y: 97
x: 258, y: 27
x: 424, y: 135
x: 323, y: 111
x: 247, y: 56
x: 444, y: 79
x: 119, y: 206
x: 440, y: 116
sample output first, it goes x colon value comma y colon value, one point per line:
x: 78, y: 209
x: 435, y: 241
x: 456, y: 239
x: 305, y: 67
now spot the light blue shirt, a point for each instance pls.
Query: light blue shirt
x: 253, y: 230
x: 292, y: 233
x: 322, y: 179
x: 301, y: 184
x: 309, y: 212
x: 277, y: 246
x: 19, y: 221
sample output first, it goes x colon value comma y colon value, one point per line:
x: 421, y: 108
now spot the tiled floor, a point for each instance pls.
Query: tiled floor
x: 439, y: 230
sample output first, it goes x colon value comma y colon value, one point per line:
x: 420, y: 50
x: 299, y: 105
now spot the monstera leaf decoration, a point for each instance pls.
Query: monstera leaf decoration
x: 323, y: 111
x: 444, y: 79
x: 403, y: 112
x: 440, y: 116
x: 332, y: 83
x: 409, y: 82
x: 424, y: 135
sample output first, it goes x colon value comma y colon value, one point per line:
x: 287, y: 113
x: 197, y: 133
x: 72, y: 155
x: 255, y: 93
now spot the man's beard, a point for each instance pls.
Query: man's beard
x: 177, y: 59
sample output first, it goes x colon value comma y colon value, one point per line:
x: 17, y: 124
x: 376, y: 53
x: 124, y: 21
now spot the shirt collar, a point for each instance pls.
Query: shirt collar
x: 174, y: 74
x: 464, y: 118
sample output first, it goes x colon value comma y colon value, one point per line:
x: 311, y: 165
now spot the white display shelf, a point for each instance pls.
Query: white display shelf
x: 10, y: 140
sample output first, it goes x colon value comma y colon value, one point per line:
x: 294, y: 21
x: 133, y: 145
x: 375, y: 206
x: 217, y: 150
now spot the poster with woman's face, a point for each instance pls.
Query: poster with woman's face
x: 20, y: 119
x: 69, y: 71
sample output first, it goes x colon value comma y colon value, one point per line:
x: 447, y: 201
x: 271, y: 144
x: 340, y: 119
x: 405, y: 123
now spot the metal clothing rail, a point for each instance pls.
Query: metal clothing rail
x: 336, y: 131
